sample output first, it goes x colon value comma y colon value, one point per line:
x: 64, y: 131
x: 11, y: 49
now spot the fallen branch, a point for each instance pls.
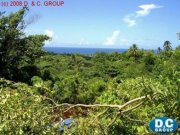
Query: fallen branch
x: 114, y: 120
x: 120, y: 107
x: 100, y: 114
x: 133, y: 101
x: 132, y: 107
x: 92, y: 106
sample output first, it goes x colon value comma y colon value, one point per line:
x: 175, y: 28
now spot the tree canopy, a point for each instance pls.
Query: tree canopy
x: 17, y: 50
x: 104, y: 93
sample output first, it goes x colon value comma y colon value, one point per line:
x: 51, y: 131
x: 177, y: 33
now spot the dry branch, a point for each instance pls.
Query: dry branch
x: 119, y: 109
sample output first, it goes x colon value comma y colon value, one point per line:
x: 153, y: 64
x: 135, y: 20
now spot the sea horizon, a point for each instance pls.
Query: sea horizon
x: 86, y: 50
x: 81, y: 50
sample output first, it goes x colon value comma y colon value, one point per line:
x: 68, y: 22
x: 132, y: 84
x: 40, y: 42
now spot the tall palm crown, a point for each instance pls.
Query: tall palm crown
x: 159, y: 50
x: 134, y: 51
x: 167, y: 46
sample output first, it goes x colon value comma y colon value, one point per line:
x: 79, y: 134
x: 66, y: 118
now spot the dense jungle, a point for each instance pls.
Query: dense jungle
x: 103, y: 93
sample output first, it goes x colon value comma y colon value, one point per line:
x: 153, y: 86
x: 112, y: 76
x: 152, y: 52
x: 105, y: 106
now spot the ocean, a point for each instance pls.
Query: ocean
x: 86, y: 51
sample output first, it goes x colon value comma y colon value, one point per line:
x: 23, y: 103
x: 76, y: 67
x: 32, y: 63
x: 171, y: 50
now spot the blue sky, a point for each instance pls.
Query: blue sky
x: 105, y: 23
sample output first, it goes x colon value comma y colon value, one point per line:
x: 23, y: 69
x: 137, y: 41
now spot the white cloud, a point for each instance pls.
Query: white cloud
x: 145, y: 10
x: 49, y: 33
x: 129, y: 21
x: 113, y: 38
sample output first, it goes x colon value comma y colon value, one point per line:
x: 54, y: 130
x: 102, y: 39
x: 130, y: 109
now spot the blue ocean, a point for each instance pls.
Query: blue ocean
x: 86, y: 51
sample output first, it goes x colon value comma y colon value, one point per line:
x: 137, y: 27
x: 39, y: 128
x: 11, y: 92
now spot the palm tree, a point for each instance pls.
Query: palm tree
x: 134, y: 51
x: 167, y: 46
x: 159, y: 50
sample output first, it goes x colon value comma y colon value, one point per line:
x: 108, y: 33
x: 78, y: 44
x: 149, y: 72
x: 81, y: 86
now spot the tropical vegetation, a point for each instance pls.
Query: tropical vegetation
x: 104, y: 93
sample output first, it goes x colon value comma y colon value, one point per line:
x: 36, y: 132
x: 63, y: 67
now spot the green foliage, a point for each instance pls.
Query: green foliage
x: 17, y: 51
x: 134, y: 52
x: 167, y: 46
x: 22, y: 111
x: 102, y: 78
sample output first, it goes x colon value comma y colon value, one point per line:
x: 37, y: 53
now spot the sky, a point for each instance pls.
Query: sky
x: 105, y: 23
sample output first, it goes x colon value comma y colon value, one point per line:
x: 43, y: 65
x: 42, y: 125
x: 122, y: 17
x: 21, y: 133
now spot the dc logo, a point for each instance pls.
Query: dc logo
x: 163, y: 125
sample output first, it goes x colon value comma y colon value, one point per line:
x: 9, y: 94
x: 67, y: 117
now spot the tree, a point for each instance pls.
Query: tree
x: 167, y: 46
x: 17, y: 51
x: 159, y: 50
x: 134, y: 51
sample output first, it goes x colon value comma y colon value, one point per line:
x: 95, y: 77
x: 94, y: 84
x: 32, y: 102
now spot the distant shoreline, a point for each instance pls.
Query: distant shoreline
x: 73, y: 50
